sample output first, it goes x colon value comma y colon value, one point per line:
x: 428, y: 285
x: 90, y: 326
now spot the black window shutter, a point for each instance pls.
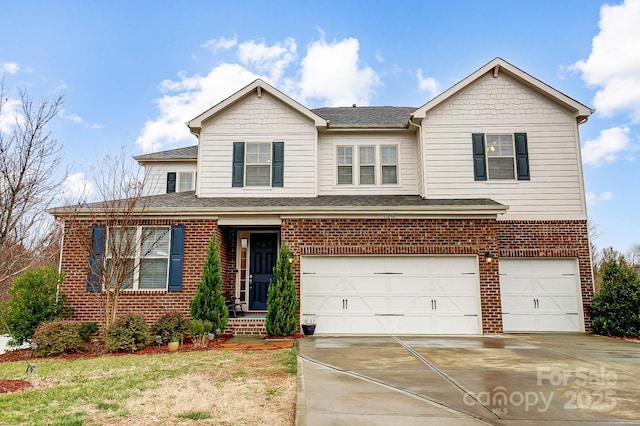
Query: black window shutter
x: 96, y: 255
x: 479, y: 160
x: 522, y: 156
x: 171, y: 182
x: 238, y: 164
x: 176, y: 257
x: 277, y: 165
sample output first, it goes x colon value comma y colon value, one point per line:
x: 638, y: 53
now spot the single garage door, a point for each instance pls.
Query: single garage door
x: 392, y: 294
x: 540, y: 295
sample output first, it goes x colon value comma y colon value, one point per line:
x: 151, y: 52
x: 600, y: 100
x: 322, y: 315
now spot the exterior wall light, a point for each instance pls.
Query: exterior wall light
x: 488, y: 257
x: 290, y: 258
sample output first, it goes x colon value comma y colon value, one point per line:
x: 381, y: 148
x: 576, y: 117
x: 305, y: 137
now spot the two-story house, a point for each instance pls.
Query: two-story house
x: 463, y: 216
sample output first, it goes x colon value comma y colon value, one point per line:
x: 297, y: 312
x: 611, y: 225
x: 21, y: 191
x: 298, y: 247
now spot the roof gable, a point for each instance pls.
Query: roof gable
x: 256, y: 87
x: 496, y: 66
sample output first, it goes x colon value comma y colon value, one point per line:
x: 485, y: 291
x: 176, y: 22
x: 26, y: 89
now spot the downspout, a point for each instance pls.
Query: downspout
x: 422, y: 162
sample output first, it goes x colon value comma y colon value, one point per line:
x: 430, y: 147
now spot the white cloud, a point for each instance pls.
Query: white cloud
x: 10, y: 67
x: 9, y: 113
x: 593, y: 198
x: 614, y: 62
x: 185, y: 99
x: 427, y: 84
x: 221, y: 43
x: 272, y: 60
x: 76, y: 188
x: 606, y: 148
x: 77, y: 119
x: 332, y: 73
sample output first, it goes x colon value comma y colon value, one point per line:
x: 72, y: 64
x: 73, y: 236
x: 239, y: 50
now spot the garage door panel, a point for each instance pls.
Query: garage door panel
x: 540, y: 294
x: 392, y: 294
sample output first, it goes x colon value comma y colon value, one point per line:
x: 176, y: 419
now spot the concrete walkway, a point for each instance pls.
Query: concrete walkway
x: 554, y: 379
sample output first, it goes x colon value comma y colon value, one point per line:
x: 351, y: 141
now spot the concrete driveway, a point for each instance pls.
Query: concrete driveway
x: 548, y: 379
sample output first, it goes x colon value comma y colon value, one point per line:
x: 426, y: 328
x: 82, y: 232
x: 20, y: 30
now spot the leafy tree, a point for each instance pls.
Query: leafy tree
x: 34, y: 300
x: 208, y: 303
x: 615, y: 310
x: 282, y: 299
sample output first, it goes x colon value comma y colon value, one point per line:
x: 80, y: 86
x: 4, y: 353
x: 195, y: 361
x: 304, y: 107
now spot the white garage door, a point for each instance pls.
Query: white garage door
x: 540, y: 295
x: 392, y: 294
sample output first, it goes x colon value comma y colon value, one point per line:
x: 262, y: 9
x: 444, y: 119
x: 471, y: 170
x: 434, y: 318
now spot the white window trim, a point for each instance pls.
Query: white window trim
x: 374, y: 165
x: 268, y: 163
x: 512, y: 156
x: 355, y: 164
x: 138, y: 258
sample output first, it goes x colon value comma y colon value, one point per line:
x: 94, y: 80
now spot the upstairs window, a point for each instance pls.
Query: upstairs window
x: 258, y: 164
x: 367, y: 165
x: 345, y: 165
x: 180, y: 182
x: 389, y: 160
x: 372, y: 164
x: 500, y: 156
x: 185, y: 181
x: 500, y: 159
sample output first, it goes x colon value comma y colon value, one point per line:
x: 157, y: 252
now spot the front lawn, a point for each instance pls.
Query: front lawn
x: 205, y: 387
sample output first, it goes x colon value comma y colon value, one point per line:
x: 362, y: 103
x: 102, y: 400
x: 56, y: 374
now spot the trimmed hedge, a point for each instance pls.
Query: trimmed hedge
x: 126, y: 334
x: 62, y: 337
x: 170, y: 325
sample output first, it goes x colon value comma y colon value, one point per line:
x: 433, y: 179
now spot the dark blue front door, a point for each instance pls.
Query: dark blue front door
x: 262, y: 255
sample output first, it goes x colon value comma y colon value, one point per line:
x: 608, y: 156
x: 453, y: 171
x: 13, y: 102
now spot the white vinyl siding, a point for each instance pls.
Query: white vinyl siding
x: 405, y: 163
x: 256, y: 120
x: 156, y: 175
x: 555, y: 189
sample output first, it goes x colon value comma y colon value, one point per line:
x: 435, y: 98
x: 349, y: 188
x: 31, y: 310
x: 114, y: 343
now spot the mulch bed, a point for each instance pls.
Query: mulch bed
x: 220, y: 343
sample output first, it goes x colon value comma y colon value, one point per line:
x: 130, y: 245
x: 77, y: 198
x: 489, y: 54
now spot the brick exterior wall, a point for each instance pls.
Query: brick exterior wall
x: 152, y: 304
x: 404, y: 236
x: 546, y: 238
x: 506, y: 239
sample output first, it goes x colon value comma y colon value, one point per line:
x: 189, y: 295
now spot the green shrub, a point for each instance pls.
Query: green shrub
x: 199, y: 330
x: 88, y: 330
x: 615, y: 310
x: 34, y: 300
x: 59, y: 337
x: 169, y: 325
x: 282, y: 299
x: 126, y: 333
x: 208, y: 302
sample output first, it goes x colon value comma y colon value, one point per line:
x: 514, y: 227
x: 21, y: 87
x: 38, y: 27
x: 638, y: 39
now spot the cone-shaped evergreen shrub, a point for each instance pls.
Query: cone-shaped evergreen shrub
x: 282, y: 300
x: 208, y: 302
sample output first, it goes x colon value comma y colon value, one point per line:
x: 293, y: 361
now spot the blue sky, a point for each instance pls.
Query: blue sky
x: 133, y: 72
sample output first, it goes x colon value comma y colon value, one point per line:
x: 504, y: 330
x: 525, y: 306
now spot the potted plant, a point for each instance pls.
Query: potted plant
x: 308, y: 324
x: 173, y: 344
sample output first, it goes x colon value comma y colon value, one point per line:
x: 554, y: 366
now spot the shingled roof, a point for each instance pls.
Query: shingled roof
x: 366, y: 117
x: 186, y: 153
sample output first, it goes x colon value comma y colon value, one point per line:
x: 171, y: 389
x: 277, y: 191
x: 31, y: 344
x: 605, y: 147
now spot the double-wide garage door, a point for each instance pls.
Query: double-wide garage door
x: 540, y: 295
x: 392, y: 294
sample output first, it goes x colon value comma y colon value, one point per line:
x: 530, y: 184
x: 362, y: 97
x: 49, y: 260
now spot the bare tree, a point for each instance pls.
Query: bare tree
x: 111, y: 231
x: 29, y: 160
